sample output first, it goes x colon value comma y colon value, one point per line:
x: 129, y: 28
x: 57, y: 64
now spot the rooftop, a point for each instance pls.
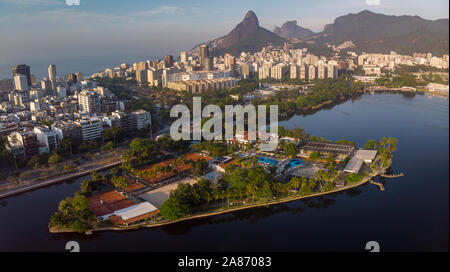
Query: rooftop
x: 366, y: 154
x: 354, y: 165
x: 329, y: 147
x: 133, y: 214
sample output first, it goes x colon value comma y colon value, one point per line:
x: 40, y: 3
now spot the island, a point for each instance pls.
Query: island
x: 163, y: 181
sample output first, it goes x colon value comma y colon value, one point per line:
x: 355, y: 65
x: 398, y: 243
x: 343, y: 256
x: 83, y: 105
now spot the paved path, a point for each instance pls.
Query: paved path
x: 51, y: 181
x: 158, y: 196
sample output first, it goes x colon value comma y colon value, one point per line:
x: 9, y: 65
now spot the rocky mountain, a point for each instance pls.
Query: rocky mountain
x: 291, y: 30
x: 372, y: 32
x: 247, y: 36
x: 365, y: 31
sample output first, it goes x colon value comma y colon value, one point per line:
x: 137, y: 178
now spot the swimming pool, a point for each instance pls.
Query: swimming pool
x: 295, y: 162
x: 268, y: 160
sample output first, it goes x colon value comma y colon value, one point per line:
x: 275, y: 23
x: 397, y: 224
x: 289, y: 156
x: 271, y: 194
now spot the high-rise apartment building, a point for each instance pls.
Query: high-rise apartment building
x: 46, y: 86
x: 89, y: 101
x: 168, y: 61
x: 332, y: 71
x: 22, y: 69
x: 322, y: 72
x: 90, y: 129
x: 20, y: 82
x: 141, y: 76
x: 304, y: 72
x: 46, y: 137
x: 206, y: 61
x: 295, y: 72
x: 183, y: 57
x: 52, y: 76
x: 312, y: 72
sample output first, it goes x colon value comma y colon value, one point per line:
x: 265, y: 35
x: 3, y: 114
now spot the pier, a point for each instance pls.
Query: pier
x: 378, y: 184
x: 392, y: 176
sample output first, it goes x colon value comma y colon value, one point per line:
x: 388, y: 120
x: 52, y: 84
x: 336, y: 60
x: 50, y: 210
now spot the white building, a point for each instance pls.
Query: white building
x: 90, y: 128
x: 35, y: 105
x: 52, y: 76
x: 143, y: 119
x: 20, y: 82
x: 46, y: 137
x: 61, y: 92
x: 89, y: 101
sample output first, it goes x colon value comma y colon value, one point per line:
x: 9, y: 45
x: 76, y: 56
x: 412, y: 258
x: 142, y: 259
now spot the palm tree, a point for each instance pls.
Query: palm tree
x: 217, y: 195
x: 222, y: 195
x: 286, y: 187
x: 295, y: 184
x: 228, y: 195
x: 278, y: 187
x: 176, y: 163
x: 312, y: 183
x: 251, y: 190
x: 209, y: 196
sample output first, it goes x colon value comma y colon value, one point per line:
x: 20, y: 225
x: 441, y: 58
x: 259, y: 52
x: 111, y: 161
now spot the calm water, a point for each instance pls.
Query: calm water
x: 411, y: 215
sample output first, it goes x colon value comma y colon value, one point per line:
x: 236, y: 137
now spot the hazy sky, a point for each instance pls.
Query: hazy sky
x: 41, y: 32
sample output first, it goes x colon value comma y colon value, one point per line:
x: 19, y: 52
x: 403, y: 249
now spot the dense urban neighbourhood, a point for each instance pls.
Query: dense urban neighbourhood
x: 115, y: 122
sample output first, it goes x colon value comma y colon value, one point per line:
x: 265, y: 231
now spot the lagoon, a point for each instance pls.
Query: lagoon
x: 410, y: 215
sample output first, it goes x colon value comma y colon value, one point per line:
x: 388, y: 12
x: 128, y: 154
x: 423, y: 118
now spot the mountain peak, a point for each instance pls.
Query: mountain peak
x: 291, y: 30
x: 251, y: 18
x: 366, y: 12
x: 293, y: 22
x: 250, y: 14
x: 247, y: 36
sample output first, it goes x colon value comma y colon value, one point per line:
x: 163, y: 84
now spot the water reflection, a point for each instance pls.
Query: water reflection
x: 253, y: 215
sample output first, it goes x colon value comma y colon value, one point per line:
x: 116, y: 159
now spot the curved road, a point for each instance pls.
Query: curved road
x: 51, y: 181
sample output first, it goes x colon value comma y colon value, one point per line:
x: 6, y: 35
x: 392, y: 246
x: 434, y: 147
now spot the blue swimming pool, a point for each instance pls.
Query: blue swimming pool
x: 295, y: 162
x: 268, y: 160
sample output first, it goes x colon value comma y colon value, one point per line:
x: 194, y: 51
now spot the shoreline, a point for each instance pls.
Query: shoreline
x: 58, y: 179
x: 219, y: 212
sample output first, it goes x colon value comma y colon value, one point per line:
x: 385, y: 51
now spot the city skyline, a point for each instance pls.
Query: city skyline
x: 169, y: 27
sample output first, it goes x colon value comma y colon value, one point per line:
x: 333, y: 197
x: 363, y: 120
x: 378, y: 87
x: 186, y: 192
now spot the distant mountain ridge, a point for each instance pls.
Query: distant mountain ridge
x: 374, y: 32
x: 368, y: 31
x: 291, y: 30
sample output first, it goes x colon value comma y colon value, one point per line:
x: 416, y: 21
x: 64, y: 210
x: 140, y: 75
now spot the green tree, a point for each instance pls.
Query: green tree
x: 173, y: 209
x: 371, y: 145
x: 295, y: 183
x: 66, y: 145
x: 251, y: 190
x: 108, y: 146
x: 120, y: 182
x: 114, y: 134
x: 55, y: 158
x: 289, y: 149
x: 314, y: 156
x: 331, y: 161
x: 74, y: 213
x: 354, y: 178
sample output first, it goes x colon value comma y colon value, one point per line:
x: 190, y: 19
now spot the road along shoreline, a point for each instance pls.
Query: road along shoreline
x: 48, y: 182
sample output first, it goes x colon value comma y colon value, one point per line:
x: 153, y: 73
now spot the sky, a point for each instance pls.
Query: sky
x: 104, y: 33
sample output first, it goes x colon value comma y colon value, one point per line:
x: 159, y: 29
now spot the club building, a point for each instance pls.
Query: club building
x: 341, y: 151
